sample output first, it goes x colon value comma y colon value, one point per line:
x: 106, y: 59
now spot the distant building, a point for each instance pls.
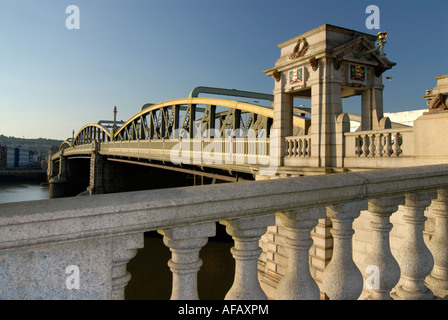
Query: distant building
x: 11, y: 157
x: 405, y: 118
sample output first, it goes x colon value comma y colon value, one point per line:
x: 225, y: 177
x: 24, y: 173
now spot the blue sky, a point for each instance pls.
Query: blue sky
x: 127, y: 53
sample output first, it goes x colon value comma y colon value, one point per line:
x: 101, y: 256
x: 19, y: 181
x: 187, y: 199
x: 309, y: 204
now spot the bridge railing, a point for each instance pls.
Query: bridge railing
x: 380, y: 148
x: 78, y: 248
x: 386, y: 148
x: 210, y: 151
x: 298, y: 146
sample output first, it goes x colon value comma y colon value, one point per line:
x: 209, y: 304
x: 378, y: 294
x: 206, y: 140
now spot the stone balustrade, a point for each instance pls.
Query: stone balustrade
x: 386, y: 148
x: 380, y: 148
x: 41, y: 241
x: 380, y: 143
x: 298, y: 146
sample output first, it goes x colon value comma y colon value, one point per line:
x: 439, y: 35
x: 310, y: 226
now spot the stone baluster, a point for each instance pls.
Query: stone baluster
x: 342, y: 278
x: 396, y: 145
x: 308, y: 147
x: 379, y: 145
x: 388, y: 145
x: 185, y: 243
x: 246, y: 233
x: 297, y: 284
x: 365, y: 145
x: 303, y: 147
x: 298, y: 144
x: 358, y: 143
x: 416, y: 261
x: 437, y: 281
x: 291, y: 148
x: 124, y: 249
x: 386, y: 271
x: 372, y: 145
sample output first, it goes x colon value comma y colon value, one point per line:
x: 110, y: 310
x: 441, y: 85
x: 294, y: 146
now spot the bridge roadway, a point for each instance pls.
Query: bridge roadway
x: 221, y: 139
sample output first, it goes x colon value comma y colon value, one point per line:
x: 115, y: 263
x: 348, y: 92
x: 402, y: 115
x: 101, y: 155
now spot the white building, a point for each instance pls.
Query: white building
x: 405, y: 118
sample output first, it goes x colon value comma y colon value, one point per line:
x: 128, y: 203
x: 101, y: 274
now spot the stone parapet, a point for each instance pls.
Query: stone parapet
x: 97, y: 235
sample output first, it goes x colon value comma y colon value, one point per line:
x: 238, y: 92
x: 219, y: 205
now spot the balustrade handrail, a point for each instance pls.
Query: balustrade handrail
x: 298, y: 146
x: 367, y: 132
x: 61, y: 220
x: 298, y: 137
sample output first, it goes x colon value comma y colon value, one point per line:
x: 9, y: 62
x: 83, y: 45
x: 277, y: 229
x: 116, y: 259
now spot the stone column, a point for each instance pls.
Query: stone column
x: 342, y: 278
x: 342, y: 126
x: 282, y: 124
x: 62, y: 174
x: 246, y: 233
x: 437, y: 281
x: 416, y: 260
x: 58, y: 181
x: 96, y: 174
x: 326, y: 105
x: 124, y: 249
x: 185, y: 243
x: 297, y: 284
x: 380, y: 261
x: 372, y: 108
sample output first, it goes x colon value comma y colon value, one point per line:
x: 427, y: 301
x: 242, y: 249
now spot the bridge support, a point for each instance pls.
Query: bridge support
x: 58, y: 178
x: 96, y: 174
x: 68, y: 178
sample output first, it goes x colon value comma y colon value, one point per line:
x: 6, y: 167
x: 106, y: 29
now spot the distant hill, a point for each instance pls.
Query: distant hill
x: 39, y: 146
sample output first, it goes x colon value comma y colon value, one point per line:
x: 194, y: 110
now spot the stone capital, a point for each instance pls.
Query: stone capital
x: 347, y: 210
x: 385, y: 205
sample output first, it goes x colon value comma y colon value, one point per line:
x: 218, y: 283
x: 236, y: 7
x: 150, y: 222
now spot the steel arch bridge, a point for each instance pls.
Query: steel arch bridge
x: 190, y: 134
x: 191, y: 116
x: 200, y: 117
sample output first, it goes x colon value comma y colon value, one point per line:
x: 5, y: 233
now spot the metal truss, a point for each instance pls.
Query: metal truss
x: 189, y: 117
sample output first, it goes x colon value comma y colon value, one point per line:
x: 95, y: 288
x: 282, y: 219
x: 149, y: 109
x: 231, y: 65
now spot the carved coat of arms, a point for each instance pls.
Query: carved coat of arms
x: 295, y: 76
x: 357, y: 73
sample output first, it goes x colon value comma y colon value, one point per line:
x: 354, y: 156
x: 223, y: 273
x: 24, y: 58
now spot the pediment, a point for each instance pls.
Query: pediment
x: 363, y: 49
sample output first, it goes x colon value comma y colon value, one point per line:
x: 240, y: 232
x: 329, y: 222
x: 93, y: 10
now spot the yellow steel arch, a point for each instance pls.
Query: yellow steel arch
x: 65, y: 144
x: 243, y: 106
x: 89, y: 125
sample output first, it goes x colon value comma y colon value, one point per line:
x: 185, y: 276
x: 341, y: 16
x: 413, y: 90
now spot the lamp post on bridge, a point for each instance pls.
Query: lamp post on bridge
x: 114, y: 125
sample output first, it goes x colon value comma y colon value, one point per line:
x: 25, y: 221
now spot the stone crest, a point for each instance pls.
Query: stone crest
x: 357, y: 72
x: 300, y: 49
x: 296, y: 76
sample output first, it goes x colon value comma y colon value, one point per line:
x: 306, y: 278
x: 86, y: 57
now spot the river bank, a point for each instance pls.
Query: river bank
x: 23, y: 175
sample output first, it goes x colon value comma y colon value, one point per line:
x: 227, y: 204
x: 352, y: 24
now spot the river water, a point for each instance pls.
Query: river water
x: 17, y: 192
